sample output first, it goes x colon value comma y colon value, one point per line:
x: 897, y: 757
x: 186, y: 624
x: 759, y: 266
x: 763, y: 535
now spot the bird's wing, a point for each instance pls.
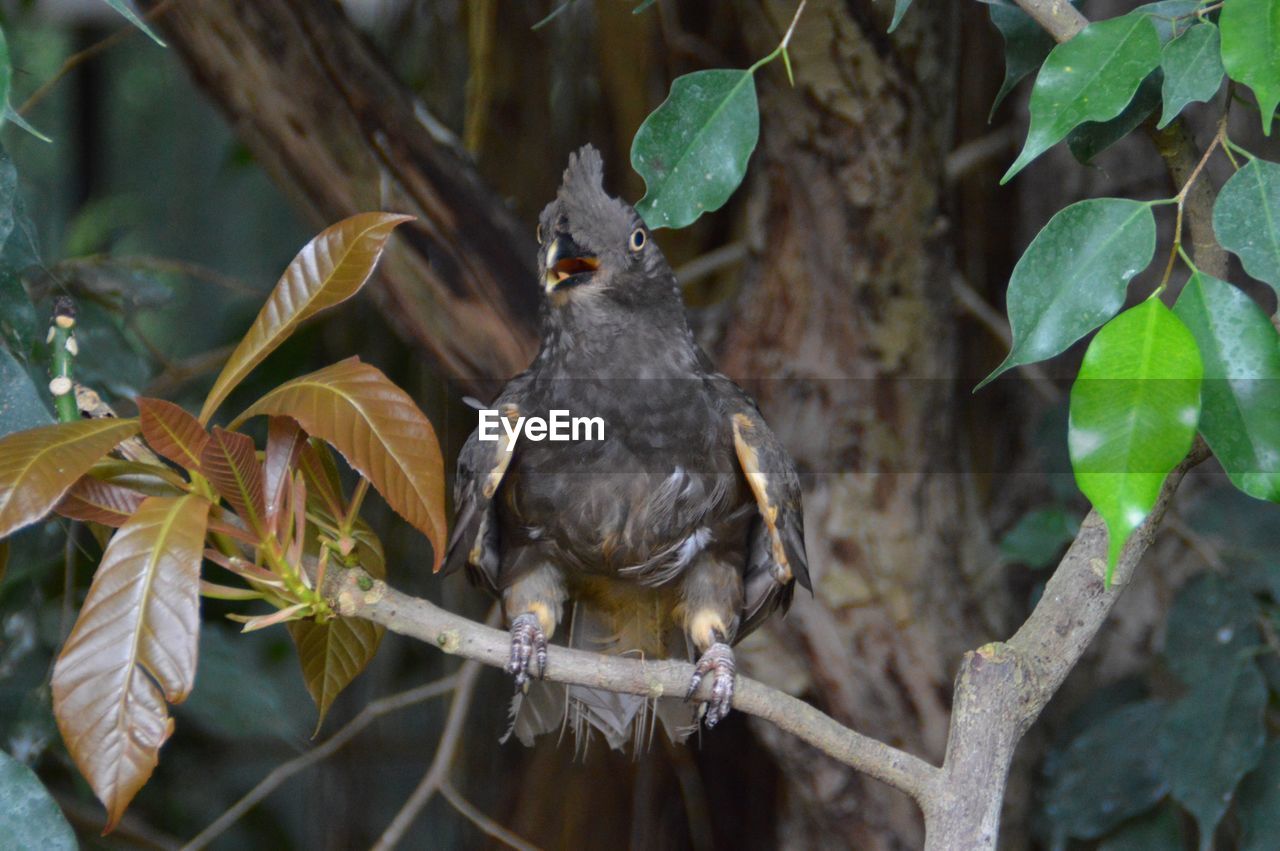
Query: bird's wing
x: 776, y: 557
x: 481, y: 466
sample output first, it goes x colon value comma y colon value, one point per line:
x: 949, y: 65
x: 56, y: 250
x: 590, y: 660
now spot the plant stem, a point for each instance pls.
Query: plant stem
x: 781, y: 49
x: 62, y: 339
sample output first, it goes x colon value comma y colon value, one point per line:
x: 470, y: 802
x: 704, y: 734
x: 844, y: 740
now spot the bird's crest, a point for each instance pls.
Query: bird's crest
x: 582, y: 194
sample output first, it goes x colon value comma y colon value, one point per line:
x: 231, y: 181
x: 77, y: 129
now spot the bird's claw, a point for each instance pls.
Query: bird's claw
x: 528, y: 644
x: 718, y: 661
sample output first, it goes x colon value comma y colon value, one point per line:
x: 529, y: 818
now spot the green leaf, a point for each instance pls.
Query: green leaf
x: 1108, y: 774
x: 1192, y: 65
x: 1092, y: 77
x: 1026, y: 44
x: 1167, y: 14
x: 22, y: 404
x: 1211, y: 738
x: 1156, y: 831
x: 1093, y: 137
x: 1213, y: 622
x: 1134, y: 409
x: 1073, y: 276
x: 1259, y: 804
x: 1039, y: 536
x: 29, y: 818
x: 900, y: 8
x: 692, y: 151
x: 1251, y: 50
x: 1240, y: 416
x: 123, y: 8
x: 1246, y: 218
x: 333, y: 654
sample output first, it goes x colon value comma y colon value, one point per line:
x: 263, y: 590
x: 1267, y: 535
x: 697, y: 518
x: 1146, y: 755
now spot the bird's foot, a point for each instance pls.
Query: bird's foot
x: 718, y: 661
x: 528, y: 645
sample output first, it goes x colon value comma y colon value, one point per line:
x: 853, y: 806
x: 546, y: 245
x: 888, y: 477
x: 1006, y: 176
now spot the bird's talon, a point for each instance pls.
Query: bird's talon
x: 528, y: 643
x: 717, y: 661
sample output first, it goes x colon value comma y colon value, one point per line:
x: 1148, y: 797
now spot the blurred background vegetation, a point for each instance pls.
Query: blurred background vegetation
x: 162, y: 225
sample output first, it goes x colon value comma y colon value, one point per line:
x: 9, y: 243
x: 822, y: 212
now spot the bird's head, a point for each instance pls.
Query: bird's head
x: 591, y: 243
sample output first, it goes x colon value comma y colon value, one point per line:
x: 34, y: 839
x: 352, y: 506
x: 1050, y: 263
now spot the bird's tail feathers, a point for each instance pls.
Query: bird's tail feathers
x: 621, y: 719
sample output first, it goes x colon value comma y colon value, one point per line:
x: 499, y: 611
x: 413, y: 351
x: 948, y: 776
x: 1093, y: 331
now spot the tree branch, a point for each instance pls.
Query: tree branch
x: 425, y: 621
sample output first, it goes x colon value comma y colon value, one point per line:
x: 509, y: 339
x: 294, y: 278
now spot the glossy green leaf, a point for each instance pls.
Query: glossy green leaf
x: 7, y: 113
x: 1240, y: 416
x: 900, y: 8
x: 1026, y: 44
x: 1246, y: 218
x: 132, y: 17
x: 1212, y: 623
x: 692, y: 151
x: 1109, y: 773
x: 29, y: 817
x: 1134, y: 408
x: 1092, y: 77
x: 1192, y: 65
x: 1155, y: 831
x: 1251, y: 50
x: 1093, y: 137
x: 328, y: 270
x: 1259, y: 804
x: 1039, y: 536
x: 1073, y: 276
x: 1210, y: 738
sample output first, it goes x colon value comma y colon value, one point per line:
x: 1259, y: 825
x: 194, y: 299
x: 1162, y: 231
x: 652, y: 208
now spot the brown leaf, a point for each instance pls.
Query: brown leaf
x: 231, y: 463
x: 132, y: 649
x: 4, y: 557
x: 284, y: 443
x: 332, y: 655
x: 378, y: 429
x: 147, y: 479
x: 95, y: 501
x: 172, y: 432
x: 329, y: 269
x: 39, y: 465
x: 320, y: 473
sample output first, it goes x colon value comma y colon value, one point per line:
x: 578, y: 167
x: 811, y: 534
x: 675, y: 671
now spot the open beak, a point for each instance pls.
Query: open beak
x: 567, y: 264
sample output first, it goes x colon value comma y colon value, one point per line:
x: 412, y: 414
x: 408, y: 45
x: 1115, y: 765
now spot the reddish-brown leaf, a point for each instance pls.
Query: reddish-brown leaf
x: 284, y: 443
x: 333, y: 654
x: 132, y: 649
x: 320, y: 473
x: 329, y: 269
x: 230, y: 461
x: 95, y: 501
x: 172, y: 432
x: 38, y: 466
x: 147, y: 479
x: 378, y: 429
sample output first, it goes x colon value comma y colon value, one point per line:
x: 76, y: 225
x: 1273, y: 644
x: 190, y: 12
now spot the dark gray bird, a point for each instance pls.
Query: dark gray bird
x: 674, y: 535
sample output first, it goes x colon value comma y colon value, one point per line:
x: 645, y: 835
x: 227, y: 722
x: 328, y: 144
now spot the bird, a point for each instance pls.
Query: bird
x: 672, y: 532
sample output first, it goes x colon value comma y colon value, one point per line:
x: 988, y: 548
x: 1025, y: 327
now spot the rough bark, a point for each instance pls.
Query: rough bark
x: 848, y: 340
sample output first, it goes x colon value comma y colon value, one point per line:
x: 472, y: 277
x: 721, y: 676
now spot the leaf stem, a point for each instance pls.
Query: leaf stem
x: 781, y: 49
x: 1219, y: 138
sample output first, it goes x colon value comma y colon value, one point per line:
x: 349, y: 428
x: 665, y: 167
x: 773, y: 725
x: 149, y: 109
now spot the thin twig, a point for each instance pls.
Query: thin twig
x: 349, y: 731
x: 482, y: 821
x: 711, y: 262
x: 75, y: 60
x: 436, y: 774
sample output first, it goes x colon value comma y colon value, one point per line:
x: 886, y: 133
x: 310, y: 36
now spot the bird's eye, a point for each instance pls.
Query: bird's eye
x: 638, y: 239
x: 538, y: 233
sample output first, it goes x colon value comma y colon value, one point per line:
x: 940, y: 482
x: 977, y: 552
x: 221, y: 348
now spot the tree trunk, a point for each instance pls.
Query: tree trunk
x: 846, y: 312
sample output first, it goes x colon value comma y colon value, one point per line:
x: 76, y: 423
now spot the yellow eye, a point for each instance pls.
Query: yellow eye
x: 638, y: 239
x: 538, y: 233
